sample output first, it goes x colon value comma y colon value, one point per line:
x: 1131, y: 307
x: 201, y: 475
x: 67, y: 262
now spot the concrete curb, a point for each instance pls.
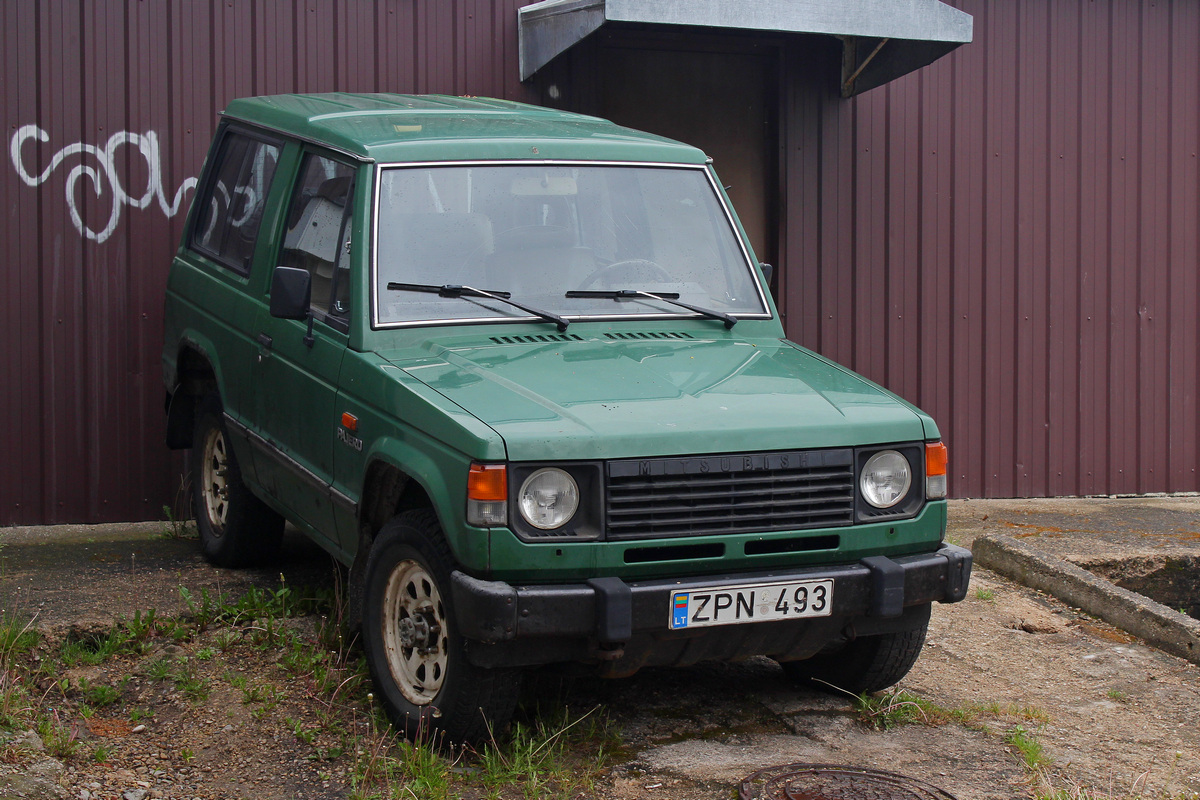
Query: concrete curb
x: 1159, y: 625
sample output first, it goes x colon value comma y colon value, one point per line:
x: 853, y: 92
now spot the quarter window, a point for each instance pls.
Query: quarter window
x: 231, y: 206
x: 318, y: 233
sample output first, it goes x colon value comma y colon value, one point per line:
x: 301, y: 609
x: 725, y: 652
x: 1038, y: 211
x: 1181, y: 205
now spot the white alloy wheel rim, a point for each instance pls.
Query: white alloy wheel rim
x: 212, y: 480
x: 415, y: 639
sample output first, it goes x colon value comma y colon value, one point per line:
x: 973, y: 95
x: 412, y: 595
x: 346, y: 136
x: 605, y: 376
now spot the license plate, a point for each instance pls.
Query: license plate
x: 761, y: 602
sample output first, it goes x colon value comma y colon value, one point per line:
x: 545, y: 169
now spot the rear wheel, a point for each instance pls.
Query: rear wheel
x: 236, y: 528
x: 867, y: 664
x: 417, y: 659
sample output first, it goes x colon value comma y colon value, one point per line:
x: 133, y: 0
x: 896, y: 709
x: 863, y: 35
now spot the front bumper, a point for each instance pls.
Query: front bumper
x: 529, y: 624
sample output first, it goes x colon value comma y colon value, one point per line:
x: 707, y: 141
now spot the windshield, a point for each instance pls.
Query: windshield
x: 538, y: 232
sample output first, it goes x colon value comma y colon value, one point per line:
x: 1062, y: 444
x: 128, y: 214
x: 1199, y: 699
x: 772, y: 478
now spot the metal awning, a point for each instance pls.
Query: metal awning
x: 881, y: 39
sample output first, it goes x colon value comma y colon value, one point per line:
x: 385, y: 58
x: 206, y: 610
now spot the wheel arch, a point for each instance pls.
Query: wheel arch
x: 195, y: 376
x: 393, y: 486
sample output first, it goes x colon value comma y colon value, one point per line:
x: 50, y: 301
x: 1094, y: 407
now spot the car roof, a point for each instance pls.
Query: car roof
x: 405, y: 128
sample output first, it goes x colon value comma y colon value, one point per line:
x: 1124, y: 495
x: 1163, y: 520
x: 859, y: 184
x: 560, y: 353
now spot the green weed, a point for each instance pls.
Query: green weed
x: 1030, y: 750
x: 182, y: 674
x: 17, y: 639
x: 387, y: 766
x: 537, y: 756
x: 898, y: 708
x: 194, y: 687
x: 177, y: 528
x: 263, y: 693
x: 94, y: 649
x: 302, y: 733
x: 204, y: 611
x: 1026, y: 713
x: 60, y: 740
x: 99, y: 694
x: 142, y: 627
x: 225, y: 641
x: 160, y: 669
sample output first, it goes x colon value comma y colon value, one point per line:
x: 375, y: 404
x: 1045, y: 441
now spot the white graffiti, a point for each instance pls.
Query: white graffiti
x: 105, y: 172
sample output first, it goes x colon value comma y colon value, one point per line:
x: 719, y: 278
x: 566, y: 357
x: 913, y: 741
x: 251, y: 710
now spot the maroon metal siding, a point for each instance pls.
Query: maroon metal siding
x: 1009, y: 238
x: 81, y: 321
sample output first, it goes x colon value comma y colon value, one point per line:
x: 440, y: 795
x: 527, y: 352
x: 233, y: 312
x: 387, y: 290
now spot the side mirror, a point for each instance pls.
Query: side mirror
x: 767, y: 271
x: 291, y: 292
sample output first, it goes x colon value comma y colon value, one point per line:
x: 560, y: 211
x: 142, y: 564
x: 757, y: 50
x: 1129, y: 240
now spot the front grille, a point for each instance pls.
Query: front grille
x: 737, y: 493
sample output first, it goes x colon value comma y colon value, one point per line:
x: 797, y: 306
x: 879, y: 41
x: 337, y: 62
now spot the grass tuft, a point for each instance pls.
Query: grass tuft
x: 898, y: 708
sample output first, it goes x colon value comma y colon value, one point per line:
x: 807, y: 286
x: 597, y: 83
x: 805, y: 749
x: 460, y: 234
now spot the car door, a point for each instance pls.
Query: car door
x: 296, y: 371
x: 223, y: 243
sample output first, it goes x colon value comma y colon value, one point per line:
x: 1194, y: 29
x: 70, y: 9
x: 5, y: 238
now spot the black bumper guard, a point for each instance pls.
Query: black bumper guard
x: 610, y: 610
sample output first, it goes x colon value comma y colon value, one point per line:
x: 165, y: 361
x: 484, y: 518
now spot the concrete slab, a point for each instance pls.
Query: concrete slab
x: 1069, y: 547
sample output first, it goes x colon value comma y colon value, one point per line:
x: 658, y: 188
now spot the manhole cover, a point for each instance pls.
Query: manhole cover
x: 827, y: 782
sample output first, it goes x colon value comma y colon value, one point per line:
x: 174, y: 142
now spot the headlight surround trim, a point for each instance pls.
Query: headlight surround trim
x: 567, y: 491
x: 587, y: 523
x: 910, y: 502
x: 885, y: 479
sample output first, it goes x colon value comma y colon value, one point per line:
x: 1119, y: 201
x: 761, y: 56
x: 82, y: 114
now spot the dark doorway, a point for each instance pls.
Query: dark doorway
x: 719, y: 101
x: 719, y: 93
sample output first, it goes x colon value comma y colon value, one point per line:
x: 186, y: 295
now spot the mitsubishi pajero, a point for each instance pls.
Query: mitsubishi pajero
x: 519, y: 370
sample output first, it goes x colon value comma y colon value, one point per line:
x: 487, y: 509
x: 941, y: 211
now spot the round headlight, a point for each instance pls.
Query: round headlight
x: 885, y: 479
x: 548, y: 498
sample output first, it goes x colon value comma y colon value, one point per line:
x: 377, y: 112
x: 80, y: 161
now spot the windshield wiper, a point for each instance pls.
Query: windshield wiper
x: 451, y: 290
x: 672, y: 298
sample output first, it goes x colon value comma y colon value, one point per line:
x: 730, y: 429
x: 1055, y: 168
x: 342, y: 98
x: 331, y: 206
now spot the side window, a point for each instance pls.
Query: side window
x: 318, y: 233
x: 231, y: 206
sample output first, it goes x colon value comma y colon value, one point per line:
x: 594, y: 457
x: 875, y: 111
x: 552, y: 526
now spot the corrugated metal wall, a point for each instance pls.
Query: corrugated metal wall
x: 109, y: 106
x: 1009, y: 238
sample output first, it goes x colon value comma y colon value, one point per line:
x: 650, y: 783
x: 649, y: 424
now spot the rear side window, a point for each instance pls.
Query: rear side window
x: 231, y: 205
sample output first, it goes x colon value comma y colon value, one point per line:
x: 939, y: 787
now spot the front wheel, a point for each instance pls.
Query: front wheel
x: 417, y: 660
x: 867, y: 664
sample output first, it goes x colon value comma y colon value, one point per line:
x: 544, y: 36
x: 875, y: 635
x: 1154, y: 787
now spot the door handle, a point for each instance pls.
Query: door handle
x: 265, y: 342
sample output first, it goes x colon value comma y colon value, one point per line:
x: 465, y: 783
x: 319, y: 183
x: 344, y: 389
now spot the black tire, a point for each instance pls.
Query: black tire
x: 867, y: 664
x: 417, y: 660
x: 236, y: 528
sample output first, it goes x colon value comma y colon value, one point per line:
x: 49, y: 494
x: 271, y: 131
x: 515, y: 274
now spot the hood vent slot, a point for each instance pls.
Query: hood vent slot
x: 641, y: 335
x: 541, y: 338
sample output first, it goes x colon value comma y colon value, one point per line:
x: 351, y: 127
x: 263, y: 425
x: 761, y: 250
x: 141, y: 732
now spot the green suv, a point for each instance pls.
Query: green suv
x: 519, y: 371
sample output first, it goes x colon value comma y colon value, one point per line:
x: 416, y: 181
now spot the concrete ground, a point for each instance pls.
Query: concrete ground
x: 1133, y: 562
x: 1117, y: 717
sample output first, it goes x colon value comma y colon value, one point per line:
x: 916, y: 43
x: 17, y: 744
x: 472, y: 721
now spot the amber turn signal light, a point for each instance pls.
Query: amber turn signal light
x: 936, y: 459
x: 487, y: 482
x: 487, y: 495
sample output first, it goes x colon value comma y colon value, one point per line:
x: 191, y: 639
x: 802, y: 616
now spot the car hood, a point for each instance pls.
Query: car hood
x: 621, y: 398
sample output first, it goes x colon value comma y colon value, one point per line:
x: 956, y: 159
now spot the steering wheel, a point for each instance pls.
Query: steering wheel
x: 637, y: 269
x: 519, y: 238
